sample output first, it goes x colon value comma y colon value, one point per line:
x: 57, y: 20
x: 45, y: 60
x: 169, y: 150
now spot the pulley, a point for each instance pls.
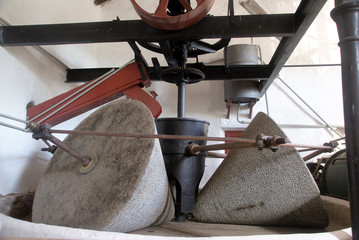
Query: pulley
x: 174, y: 15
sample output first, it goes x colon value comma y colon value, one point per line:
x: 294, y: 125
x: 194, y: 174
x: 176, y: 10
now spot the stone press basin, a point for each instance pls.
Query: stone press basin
x: 15, y: 223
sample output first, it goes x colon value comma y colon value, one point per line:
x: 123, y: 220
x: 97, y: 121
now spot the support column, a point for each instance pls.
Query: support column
x: 346, y: 16
x: 181, y: 99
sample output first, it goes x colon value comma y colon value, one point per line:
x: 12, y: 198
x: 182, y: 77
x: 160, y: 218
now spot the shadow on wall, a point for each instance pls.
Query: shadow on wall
x: 32, y: 172
x: 31, y: 59
x: 296, y: 103
x: 45, y: 72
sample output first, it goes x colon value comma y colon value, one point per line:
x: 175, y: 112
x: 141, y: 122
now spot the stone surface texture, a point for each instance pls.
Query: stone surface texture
x: 128, y: 188
x: 255, y: 187
x: 17, y: 205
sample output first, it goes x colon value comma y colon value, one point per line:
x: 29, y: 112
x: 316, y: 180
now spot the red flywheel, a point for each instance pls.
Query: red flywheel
x: 162, y: 20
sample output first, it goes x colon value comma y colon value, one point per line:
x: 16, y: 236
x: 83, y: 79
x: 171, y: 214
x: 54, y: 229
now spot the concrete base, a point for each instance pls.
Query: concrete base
x: 338, y: 229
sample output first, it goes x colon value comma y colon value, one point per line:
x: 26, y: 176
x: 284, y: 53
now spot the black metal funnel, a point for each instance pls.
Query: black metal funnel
x: 185, y: 170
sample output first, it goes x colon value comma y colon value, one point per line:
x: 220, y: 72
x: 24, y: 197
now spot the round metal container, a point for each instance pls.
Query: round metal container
x: 241, y: 54
x: 241, y: 91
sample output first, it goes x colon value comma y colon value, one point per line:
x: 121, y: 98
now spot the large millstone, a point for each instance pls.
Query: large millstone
x: 128, y: 188
x: 255, y: 187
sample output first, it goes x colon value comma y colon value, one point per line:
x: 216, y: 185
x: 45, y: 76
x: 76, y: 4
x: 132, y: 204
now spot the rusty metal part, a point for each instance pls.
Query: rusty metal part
x: 43, y: 132
x: 195, y: 149
x: 326, y: 148
x: 88, y: 168
x: 263, y: 141
x: 84, y: 159
x: 160, y: 136
x: 314, y: 154
x: 50, y: 148
x: 216, y: 155
x: 162, y: 20
x: 260, y: 142
x: 306, y: 146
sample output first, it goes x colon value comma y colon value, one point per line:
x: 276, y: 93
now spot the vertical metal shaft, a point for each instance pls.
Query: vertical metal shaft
x: 346, y: 16
x: 181, y: 99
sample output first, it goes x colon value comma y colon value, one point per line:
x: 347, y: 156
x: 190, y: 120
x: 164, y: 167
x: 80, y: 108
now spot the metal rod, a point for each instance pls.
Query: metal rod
x: 182, y: 137
x: 196, y: 149
x: 13, y: 127
x: 79, y: 95
x: 46, y: 142
x: 314, y: 154
x: 216, y: 155
x: 267, y: 103
x: 72, y: 95
x: 181, y: 99
x: 306, y: 150
x: 338, y: 139
x: 305, y: 146
x: 295, y: 125
x: 346, y: 15
x: 85, y: 160
x: 13, y: 118
x: 160, y: 136
x: 296, y: 94
x: 313, y: 65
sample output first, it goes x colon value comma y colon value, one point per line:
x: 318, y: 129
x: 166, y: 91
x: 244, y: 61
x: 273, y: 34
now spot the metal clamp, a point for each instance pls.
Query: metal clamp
x: 43, y: 132
x: 271, y: 142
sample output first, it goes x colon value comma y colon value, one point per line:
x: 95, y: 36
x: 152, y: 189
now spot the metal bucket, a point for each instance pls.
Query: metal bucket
x: 241, y: 91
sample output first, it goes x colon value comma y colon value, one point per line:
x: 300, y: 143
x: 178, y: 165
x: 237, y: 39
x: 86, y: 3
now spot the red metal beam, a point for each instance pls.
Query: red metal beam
x: 126, y: 81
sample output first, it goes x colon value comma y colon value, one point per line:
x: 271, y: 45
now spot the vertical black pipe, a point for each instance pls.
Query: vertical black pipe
x: 346, y: 16
x: 181, y: 99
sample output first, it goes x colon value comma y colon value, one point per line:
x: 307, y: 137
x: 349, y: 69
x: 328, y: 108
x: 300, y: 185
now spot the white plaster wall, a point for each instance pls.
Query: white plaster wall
x: 26, y: 75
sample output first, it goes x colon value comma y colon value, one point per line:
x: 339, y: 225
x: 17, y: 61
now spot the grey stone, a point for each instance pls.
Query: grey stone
x: 17, y: 205
x: 128, y: 188
x: 255, y: 187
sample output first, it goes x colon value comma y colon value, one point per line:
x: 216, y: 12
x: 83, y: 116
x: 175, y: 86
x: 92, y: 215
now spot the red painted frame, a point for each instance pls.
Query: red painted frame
x: 126, y: 81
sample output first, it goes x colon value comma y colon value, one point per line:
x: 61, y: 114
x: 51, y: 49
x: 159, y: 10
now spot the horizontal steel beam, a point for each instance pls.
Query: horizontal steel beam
x: 253, y: 72
x: 273, y: 25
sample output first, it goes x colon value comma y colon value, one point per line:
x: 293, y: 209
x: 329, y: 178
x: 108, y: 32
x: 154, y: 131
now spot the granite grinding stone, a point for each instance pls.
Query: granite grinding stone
x: 128, y: 188
x: 255, y: 187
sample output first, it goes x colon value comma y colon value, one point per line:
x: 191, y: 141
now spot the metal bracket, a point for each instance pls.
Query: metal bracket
x: 273, y: 143
x: 43, y: 132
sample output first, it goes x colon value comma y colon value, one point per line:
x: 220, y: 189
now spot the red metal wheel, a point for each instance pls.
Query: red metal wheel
x: 161, y: 20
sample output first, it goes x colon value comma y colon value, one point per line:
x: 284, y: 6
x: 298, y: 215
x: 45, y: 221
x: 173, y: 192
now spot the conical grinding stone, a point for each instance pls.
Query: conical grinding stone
x: 127, y: 189
x: 255, y: 187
